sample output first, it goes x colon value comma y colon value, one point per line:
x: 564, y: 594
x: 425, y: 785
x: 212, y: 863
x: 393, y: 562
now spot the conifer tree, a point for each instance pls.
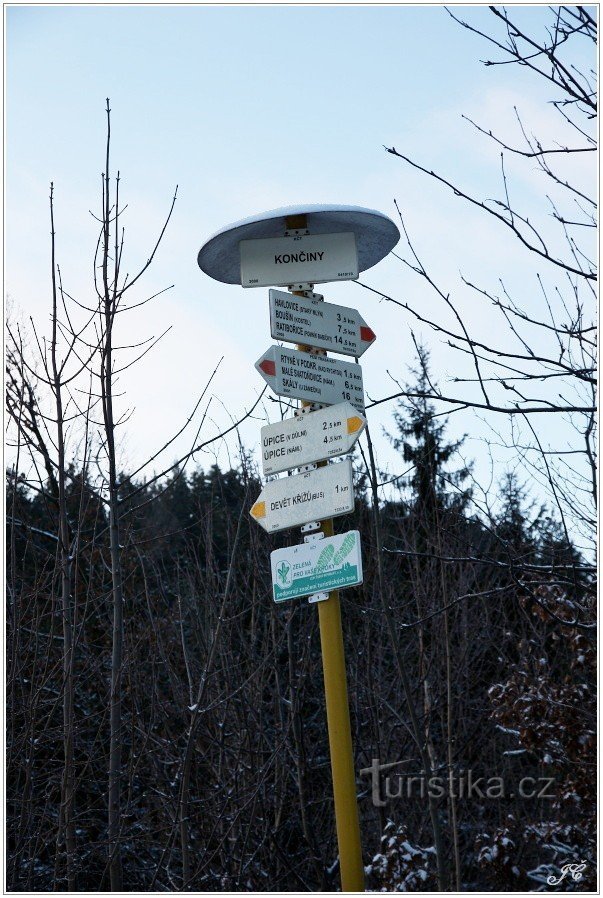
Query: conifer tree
x: 422, y: 440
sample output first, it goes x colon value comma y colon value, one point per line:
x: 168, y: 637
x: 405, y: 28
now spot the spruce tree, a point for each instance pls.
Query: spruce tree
x: 434, y: 489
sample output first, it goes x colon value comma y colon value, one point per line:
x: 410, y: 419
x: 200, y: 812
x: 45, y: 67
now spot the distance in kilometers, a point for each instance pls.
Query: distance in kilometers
x: 292, y: 501
x: 314, y: 378
x: 319, y: 566
x: 301, y: 319
x: 310, y: 437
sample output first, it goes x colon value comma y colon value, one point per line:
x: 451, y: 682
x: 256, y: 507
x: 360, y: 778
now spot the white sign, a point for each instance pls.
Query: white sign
x: 291, y: 501
x: 314, y: 378
x: 300, y: 319
x: 310, y: 437
x: 320, y: 566
x: 309, y: 258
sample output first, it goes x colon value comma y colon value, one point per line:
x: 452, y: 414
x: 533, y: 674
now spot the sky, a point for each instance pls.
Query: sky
x: 248, y: 108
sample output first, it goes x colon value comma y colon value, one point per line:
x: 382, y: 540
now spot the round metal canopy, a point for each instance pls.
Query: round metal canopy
x: 375, y: 233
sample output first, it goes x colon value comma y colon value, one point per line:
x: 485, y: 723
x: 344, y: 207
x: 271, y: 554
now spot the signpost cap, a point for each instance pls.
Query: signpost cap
x: 376, y: 235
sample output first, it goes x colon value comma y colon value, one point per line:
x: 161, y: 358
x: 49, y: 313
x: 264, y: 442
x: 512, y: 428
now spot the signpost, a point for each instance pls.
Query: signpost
x: 299, y: 247
x: 320, y: 566
x: 296, y: 319
x: 314, y: 378
x: 301, y: 259
x: 292, y: 501
x: 308, y: 438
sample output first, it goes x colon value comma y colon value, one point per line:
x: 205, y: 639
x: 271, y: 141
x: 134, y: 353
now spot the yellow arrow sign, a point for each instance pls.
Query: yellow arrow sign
x: 308, y: 438
x: 354, y: 424
x: 258, y: 510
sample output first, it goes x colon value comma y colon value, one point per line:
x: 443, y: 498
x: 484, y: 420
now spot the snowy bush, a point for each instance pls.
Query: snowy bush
x: 401, y: 866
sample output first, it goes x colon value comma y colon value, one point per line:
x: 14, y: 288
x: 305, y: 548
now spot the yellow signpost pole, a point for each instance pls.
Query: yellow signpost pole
x: 340, y: 732
x: 340, y: 739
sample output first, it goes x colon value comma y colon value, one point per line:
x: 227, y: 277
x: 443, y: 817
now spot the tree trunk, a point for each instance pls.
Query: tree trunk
x: 416, y: 729
x: 66, y: 821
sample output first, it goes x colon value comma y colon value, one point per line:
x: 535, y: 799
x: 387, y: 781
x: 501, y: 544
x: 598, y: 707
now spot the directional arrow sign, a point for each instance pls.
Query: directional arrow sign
x: 299, y: 319
x: 314, y: 378
x: 311, y: 437
x: 320, y: 566
x: 291, y: 501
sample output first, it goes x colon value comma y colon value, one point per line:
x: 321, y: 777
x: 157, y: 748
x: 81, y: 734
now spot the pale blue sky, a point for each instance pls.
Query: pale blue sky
x: 212, y: 90
x: 248, y: 108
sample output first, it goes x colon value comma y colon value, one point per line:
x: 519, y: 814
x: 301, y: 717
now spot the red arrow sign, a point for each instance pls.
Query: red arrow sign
x: 268, y: 367
x: 367, y: 335
x: 310, y: 321
x: 313, y: 378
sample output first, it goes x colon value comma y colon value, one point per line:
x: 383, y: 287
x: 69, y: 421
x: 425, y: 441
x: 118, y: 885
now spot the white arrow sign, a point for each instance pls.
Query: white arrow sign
x: 310, y: 437
x: 331, y: 563
x: 291, y: 501
x: 307, y: 258
x: 314, y: 378
x: 300, y: 319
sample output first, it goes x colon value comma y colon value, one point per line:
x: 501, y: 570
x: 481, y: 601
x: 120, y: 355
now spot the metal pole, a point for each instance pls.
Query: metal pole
x: 340, y: 732
x: 340, y: 739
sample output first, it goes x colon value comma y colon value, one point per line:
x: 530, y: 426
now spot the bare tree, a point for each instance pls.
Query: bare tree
x: 46, y: 436
x: 92, y: 360
x: 544, y: 364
